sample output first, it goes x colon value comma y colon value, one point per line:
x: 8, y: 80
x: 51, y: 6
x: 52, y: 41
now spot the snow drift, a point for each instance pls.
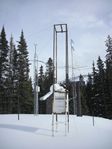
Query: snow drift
x: 32, y: 132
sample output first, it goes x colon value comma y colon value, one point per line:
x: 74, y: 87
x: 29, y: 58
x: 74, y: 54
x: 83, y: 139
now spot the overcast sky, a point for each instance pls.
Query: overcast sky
x: 89, y: 23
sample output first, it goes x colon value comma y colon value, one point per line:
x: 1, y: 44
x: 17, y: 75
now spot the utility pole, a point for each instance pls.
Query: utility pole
x: 74, y: 83
x: 36, y: 104
x: 72, y: 49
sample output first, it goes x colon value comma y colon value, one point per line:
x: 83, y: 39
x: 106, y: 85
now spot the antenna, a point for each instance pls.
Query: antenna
x: 72, y: 50
x: 74, y: 83
x: 36, y: 105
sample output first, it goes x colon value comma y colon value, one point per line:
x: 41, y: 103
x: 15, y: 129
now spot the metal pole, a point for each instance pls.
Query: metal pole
x: 73, y: 84
x: 35, y: 82
x: 37, y: 104
x: 79, y: 99
x: 56, y: 57
x: 72, y: 58
x: 66, y: 56
x: 53, y: 80
x: 93, y: 120
x: 18, y: 108
x: 66, y: 62
x: 18, y: 101
x: 93, y: 114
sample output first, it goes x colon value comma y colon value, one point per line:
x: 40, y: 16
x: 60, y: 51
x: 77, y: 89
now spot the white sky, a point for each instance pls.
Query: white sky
x: 89, y: 23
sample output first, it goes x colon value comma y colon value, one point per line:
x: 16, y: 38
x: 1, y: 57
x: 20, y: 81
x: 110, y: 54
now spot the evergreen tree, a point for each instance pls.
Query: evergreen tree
x: 94, y: 98
x: 109, y: 77
x: 15, y: 73
x: 13, y: 76
x: 11, y: 73
x: 3, y: 72
x: 24, y: 82
x: 101, y: 87
x: 89, y: 94
x: 48, y: 75
x: 98, y: 100
x: 41, y: 81
x: 84, y: 106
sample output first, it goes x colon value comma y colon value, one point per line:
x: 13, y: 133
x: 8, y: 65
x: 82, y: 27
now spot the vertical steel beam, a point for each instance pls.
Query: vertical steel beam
x: 56, y: 57
x: 66, y: 62
x: 36, y: 105
x: 66, y: 56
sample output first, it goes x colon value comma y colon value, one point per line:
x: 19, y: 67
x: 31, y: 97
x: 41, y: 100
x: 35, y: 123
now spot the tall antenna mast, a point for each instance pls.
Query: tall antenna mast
x: 73, y: 77
x: 36, y: 105
x: 72, y: 49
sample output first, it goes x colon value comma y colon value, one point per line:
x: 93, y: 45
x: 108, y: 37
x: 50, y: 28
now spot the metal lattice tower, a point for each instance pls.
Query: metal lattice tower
x: 60, y: 29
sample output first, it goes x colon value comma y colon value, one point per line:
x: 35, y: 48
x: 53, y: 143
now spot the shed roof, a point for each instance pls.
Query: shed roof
x: 57, y: 88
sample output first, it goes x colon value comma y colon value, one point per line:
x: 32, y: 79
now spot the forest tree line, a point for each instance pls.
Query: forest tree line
x: 99, y: 85
x: 16, y: 87
x: 16, y: 83
x: 96, y: 93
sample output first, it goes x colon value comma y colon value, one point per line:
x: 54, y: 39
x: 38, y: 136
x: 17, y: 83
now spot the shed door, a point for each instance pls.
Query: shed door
x: 59, y: 105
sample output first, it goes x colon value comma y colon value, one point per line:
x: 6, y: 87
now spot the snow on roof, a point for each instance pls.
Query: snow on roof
x: 46, y: 96
x: 57, y: 88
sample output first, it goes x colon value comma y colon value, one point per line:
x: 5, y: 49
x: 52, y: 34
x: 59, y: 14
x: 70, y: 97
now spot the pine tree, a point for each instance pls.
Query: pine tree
x: 13, y: 76
x: 48, y: 75
x: 89, y: 94
x: 41, y: 81
x: 11, y: 73
x: 3, y: 72
x: 98, y: 99
x: 109, y: 77
x: 101, y: 87
x: 84, y: 106
x: 24, y: 82
x: 94, y: 98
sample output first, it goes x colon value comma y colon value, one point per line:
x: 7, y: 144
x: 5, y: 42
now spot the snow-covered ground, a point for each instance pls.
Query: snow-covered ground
x: 35, y: 132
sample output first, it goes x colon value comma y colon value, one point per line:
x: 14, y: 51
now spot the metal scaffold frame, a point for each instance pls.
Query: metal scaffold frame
x: 60, y: 28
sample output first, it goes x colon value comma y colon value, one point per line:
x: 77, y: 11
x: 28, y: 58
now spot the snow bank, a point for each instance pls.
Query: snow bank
x: 32, y: 132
